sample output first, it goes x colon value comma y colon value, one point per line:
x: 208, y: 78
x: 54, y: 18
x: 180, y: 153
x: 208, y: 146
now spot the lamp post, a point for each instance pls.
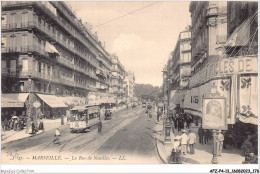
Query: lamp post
x: 167, y: 123
x: 215, y: 155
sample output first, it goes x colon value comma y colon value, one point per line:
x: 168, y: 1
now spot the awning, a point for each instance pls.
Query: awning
x: 50, y: 48
x: 73, y: 100
x: 13, y: 100
x: 240, y: 35
x: 80, y: 108
x: 52, y: 100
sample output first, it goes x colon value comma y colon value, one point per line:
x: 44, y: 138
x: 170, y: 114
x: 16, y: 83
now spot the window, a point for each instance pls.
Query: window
x: 25, y: 65
x: 49, y: 88
x: 25, y: 40
x: 39, y: 67
x: 44, y: 87
x: 12, y: 19
x: 25, y: 17
x: 13, y: 66
x: 21, y: 86
x: 39, y: 87
x: 48, y: 70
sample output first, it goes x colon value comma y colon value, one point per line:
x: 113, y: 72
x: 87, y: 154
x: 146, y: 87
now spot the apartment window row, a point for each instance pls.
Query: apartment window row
x: 43, y: 87
x: 84, y: 65
x: 185, y: 57
x: 185, y: 46
x: 83, y: 80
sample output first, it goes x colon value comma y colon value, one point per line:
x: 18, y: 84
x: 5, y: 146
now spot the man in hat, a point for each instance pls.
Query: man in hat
x: 184, y: 142
x: 192, y: 141
x: 220, y: 139
x: 176, y: 149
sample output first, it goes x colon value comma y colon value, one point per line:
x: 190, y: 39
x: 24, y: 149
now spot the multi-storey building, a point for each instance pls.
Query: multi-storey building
x: 216, y: 71
x: 129, y: 86
x: 179, y: 68
x: 117, y: 80
x: 242, y: 45
x: 209, y: 31
x: 48, y: 53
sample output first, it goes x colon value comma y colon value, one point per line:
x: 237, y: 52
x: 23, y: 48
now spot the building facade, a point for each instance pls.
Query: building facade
x: 179, y: 68
x: 242, y: 44
x: 117, y: 80
x: 219, y: 66
x: 50, y: 57
x: 129, y: 86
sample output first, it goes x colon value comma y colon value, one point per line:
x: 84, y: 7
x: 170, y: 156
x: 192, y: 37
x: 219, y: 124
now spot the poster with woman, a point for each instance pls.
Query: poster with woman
x: 214, y: 113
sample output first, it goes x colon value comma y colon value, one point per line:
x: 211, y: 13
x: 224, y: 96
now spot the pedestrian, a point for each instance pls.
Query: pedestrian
x: 179, y: 124
x: 15, y: 124
x: 184, y: 142
x: 33, y: 128
x: 200, y: 133
x: 220, y: 139
x: 176, y: 150
x: 5, y: 124
x: 158, y: 115
x: 57, y: 136
x: 207, y: 136
x: 41, y: 126
x: 187, y: 122
x: 62, y: 120
x: 18, y: 123
x: 99, y: 127
x: 175, y: 122
x: 192, y: 141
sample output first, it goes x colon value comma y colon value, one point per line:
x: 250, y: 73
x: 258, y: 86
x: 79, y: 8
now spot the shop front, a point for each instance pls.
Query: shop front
x: 235, y: 80
x: 13, y: 104
x: 51, y: 106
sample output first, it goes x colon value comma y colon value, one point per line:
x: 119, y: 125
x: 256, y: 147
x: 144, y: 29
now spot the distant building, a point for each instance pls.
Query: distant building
x: 129, y: 86
x: 117, y: 80
x: 179, y: 67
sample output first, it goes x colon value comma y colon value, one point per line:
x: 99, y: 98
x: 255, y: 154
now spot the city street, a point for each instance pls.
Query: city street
x: 128, y: 137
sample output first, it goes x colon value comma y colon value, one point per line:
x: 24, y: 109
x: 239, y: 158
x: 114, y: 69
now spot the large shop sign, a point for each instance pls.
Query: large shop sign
x: 225, y: 67
x: 12, y: 104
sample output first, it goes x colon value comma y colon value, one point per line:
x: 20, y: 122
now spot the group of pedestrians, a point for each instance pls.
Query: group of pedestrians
x: 15, y: 123
x: 181, y: 121
x: 183, y: 145
x: 204, y: 135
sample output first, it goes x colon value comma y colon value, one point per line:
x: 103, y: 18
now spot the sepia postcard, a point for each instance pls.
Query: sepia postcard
x: 129, y: 82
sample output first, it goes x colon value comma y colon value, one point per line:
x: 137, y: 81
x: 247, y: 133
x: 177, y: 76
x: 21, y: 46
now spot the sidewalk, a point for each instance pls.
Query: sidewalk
x: 12, y: 135
x: 203, y: 152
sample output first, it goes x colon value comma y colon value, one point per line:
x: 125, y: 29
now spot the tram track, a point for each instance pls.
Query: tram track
x: 119, y: 118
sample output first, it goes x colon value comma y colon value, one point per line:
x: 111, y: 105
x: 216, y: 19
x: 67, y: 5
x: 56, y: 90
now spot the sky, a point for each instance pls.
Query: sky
x: 142, y: 40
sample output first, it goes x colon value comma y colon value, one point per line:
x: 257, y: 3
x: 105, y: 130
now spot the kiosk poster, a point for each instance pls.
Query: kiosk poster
x: 214, y: 114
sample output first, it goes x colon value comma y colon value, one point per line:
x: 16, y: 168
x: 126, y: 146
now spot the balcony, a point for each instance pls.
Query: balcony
x: 51, y: 36
x: 40, y: 49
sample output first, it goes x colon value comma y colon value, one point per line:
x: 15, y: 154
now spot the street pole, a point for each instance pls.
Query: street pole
x: 167, y: 124
x: 215, y: 155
